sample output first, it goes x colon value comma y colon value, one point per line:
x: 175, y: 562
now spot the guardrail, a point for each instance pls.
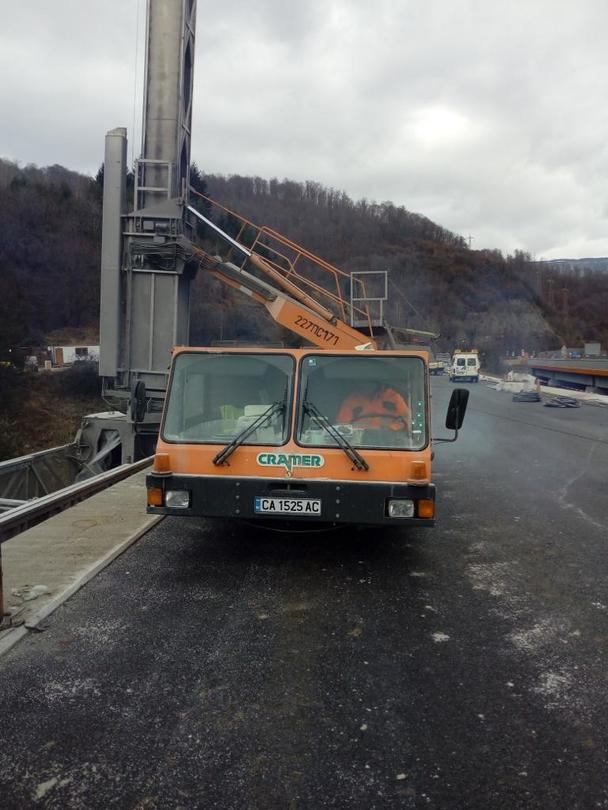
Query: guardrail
x: 38, y: 474
x: 10, y: 503
x: 35, y: 511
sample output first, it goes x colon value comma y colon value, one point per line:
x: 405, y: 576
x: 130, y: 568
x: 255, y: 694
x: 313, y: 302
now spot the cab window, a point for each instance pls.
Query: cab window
x: 213, y: 397
x: 375, y: 402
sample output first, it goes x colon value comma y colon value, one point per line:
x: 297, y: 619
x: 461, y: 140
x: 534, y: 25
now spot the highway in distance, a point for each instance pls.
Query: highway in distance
x: 465, y: 666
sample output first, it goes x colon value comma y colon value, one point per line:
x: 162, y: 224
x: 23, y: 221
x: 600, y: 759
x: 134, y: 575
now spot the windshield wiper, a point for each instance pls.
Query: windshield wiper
x: 275, y: 409
x: 356, y: 458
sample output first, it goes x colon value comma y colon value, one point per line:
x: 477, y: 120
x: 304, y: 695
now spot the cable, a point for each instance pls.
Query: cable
x: 137, y: 18
x: 402, y: 294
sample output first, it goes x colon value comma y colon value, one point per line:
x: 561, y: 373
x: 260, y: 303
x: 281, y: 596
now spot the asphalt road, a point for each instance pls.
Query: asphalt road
x: 459, y: 667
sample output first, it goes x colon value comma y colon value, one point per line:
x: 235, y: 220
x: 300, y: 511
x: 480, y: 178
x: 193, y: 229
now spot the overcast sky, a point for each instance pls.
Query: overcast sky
x: 488, y: 116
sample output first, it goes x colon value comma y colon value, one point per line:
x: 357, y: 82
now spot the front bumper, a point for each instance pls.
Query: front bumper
x: 349, y: 502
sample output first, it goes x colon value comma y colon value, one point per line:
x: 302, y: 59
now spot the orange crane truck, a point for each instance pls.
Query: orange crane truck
x: 335, y: 433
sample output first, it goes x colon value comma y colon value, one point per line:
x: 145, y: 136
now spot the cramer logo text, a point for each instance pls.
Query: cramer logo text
x: 290, y: 460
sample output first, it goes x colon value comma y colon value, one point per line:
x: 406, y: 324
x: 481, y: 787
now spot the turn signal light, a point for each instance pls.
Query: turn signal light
x: 155, y: 496
x: 426, y: 508
x: 162, y: 463
x: 419, y: 470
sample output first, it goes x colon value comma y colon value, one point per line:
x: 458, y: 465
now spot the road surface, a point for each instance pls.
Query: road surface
x: 459, y: 667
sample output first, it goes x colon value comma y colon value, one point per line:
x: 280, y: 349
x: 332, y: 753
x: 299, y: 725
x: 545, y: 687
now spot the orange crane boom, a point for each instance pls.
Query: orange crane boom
x: 287, y: 303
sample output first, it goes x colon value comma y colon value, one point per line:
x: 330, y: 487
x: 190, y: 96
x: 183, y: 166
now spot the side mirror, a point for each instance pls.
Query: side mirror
x: 137, y: 405
x: 457, y: 409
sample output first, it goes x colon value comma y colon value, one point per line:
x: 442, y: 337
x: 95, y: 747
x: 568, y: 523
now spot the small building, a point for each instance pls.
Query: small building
x: 593, y: 349
x: 68, y: 355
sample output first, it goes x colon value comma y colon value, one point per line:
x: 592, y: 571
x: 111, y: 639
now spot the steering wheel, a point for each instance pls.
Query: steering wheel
x: 392, y: 416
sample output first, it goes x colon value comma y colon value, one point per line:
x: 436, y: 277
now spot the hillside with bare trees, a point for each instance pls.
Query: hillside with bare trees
x: 50, y: 234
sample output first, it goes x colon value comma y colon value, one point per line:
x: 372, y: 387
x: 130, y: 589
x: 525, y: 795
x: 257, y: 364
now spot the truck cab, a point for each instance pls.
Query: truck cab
x: 300, y: 434
x: 465, y: 366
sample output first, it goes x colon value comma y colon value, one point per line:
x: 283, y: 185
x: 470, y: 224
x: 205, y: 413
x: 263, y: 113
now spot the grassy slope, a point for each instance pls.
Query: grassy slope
x: 44, y: 409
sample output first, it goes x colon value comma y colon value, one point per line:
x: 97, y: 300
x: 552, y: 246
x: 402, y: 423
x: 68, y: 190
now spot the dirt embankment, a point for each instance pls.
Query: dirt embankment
x: 44, y: 409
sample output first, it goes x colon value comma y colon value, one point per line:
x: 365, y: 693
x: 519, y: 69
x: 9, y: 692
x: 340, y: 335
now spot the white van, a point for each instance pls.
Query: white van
x: 465, y: 366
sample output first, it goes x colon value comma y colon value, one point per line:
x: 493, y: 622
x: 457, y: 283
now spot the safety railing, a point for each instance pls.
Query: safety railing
x: 37, y: 474
x: 287, y: 258
x: 32, y: 512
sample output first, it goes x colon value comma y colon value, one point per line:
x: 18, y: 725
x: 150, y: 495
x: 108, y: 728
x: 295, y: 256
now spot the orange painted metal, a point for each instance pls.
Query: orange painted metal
x: 307, y: 319
x: 307, y: 324
x: 384, y: 465
x: 592, y: 372
x: 282, y: 268
x: 291, y: 288
x: 338, y: 277
x: 217, y: 272
x: 399, y: 466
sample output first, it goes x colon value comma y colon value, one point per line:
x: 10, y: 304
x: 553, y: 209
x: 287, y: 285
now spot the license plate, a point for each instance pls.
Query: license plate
x: 288, y: 506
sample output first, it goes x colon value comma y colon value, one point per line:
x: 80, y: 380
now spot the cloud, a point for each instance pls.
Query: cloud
x: 488, y: 117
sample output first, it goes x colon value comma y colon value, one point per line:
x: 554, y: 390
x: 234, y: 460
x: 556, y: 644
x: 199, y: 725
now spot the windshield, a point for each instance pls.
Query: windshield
x: 215, y: 397
x: 376, y: 402
x: 471, y: 361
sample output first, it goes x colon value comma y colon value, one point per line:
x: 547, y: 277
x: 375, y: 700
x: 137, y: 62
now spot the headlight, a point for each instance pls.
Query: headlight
x: 400, y: 508
x: 177, y: 498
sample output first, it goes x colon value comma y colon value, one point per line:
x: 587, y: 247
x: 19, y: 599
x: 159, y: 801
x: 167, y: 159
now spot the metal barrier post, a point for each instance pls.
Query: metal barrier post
x: 4, y: 616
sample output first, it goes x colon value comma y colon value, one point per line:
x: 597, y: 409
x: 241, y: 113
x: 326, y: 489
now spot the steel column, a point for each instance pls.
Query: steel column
x: 114, y: 193
x: 167, y: 114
